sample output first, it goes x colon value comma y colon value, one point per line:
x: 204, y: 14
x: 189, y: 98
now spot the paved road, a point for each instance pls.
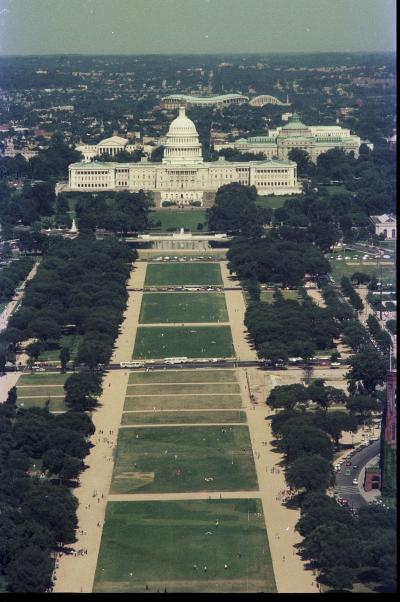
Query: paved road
x: 344, y: 483
x: 374, y: 250
x: 190, y: 365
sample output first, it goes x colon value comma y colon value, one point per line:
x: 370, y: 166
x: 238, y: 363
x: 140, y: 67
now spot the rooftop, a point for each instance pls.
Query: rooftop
x: 189, y: 98
x: 385, y: 218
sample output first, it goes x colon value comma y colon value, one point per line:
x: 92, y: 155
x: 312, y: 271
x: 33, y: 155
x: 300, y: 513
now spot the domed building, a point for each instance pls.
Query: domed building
x: 314, y: 139
x: 183, y: 178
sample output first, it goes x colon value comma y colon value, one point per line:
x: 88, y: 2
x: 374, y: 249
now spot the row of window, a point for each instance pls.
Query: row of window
x: 272, y: 171
x: 92, y: 185
x: 91, y: 172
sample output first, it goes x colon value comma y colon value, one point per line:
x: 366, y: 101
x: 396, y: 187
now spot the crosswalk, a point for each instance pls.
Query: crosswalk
x: 343, y: 489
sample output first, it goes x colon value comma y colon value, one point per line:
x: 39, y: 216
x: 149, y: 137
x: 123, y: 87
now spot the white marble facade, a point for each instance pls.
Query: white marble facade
x: 182, y: 177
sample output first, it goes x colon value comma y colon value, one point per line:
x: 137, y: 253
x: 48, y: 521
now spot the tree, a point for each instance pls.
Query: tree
x: 334, y: 423
x: 360, y: 278
x: 30, y: 571
x: 253, y: 289
x: 317, y: 508
x: 368, y: 369
x: 235, y: 210
x: 339, y: 577
x: 333, y: 544
x: 34, y: 350
x: 54, y: 507
x: 157, y: 154
x: 71, y: 469
x: 12, y: 397
x: 81, y: 391
x: 64, y: 358
x: 3, y: 361
x: 304, y: 165
x: 92, y: 352
x: 287, y: 396
x: 310, y: 472
x: 362, y: 406
x: 299, y: 440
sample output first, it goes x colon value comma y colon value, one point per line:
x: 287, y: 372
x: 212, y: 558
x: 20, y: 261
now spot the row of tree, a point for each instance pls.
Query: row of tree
x: 79, y: 287
x: 348, y: 548
x: 41, y: 456
x: 381, y: 337
x: 351, y: 294
x: 353, y: 333
x: 271, y: 260
x: 13, y: 275
x: 331, y: 533
x: 118, y: 212
x: 26, y: 206
x: 288, y: 328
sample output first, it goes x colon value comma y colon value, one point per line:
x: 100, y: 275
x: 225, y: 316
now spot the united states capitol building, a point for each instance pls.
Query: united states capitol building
x: 314, y: 139
x: 182, y: 177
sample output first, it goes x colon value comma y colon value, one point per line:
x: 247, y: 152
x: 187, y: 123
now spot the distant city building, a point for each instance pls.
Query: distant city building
x: 182, y: 177
x: 174, y: 101
x: 315, y: 139
x: 385, y: 224
x: 11, y: 151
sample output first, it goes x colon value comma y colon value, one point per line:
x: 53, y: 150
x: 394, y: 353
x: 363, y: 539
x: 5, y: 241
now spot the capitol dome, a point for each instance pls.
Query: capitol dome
x: 182, y: 145
x: 182, y: 125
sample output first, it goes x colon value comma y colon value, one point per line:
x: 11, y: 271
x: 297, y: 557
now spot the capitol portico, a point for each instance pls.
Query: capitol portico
x: 183, y: 177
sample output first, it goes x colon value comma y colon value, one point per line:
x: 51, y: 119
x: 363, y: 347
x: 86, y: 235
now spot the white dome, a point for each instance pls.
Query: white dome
x: 182, y: 125
x: 182, y: 144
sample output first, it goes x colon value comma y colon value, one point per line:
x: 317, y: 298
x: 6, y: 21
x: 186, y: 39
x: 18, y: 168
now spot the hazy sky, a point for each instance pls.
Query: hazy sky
x: 195, y: 26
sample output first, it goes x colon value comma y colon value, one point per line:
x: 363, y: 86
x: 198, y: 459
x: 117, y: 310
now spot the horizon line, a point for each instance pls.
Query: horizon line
x: 233, y: 54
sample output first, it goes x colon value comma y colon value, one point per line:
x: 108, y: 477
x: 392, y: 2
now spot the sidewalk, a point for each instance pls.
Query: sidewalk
x: 75, y: 573
x: 289, y: 570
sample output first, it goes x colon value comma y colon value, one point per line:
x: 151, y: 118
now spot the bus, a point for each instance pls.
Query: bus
x: 175, y: 360
x: 131, y: 364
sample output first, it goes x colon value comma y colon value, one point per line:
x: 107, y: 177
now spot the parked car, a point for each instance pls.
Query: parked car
x: 355, y: 481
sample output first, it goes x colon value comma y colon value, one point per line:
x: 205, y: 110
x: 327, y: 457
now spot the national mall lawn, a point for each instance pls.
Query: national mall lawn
x: 183, y: 274
x: 179, y: 341
x: 184, y: 458
x: 183, y: 307
x: 215, y: 546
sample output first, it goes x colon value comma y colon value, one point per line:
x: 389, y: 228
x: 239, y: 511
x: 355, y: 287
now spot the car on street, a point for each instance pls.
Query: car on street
x: 348, y: 463
x: 355, y: 481
x: 348, y: 472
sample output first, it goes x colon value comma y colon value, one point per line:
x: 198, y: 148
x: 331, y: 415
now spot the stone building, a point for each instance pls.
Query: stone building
x: 109, y: 146
x: 385, y: 224
x: 183, y: 177
x: 315, y: 139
